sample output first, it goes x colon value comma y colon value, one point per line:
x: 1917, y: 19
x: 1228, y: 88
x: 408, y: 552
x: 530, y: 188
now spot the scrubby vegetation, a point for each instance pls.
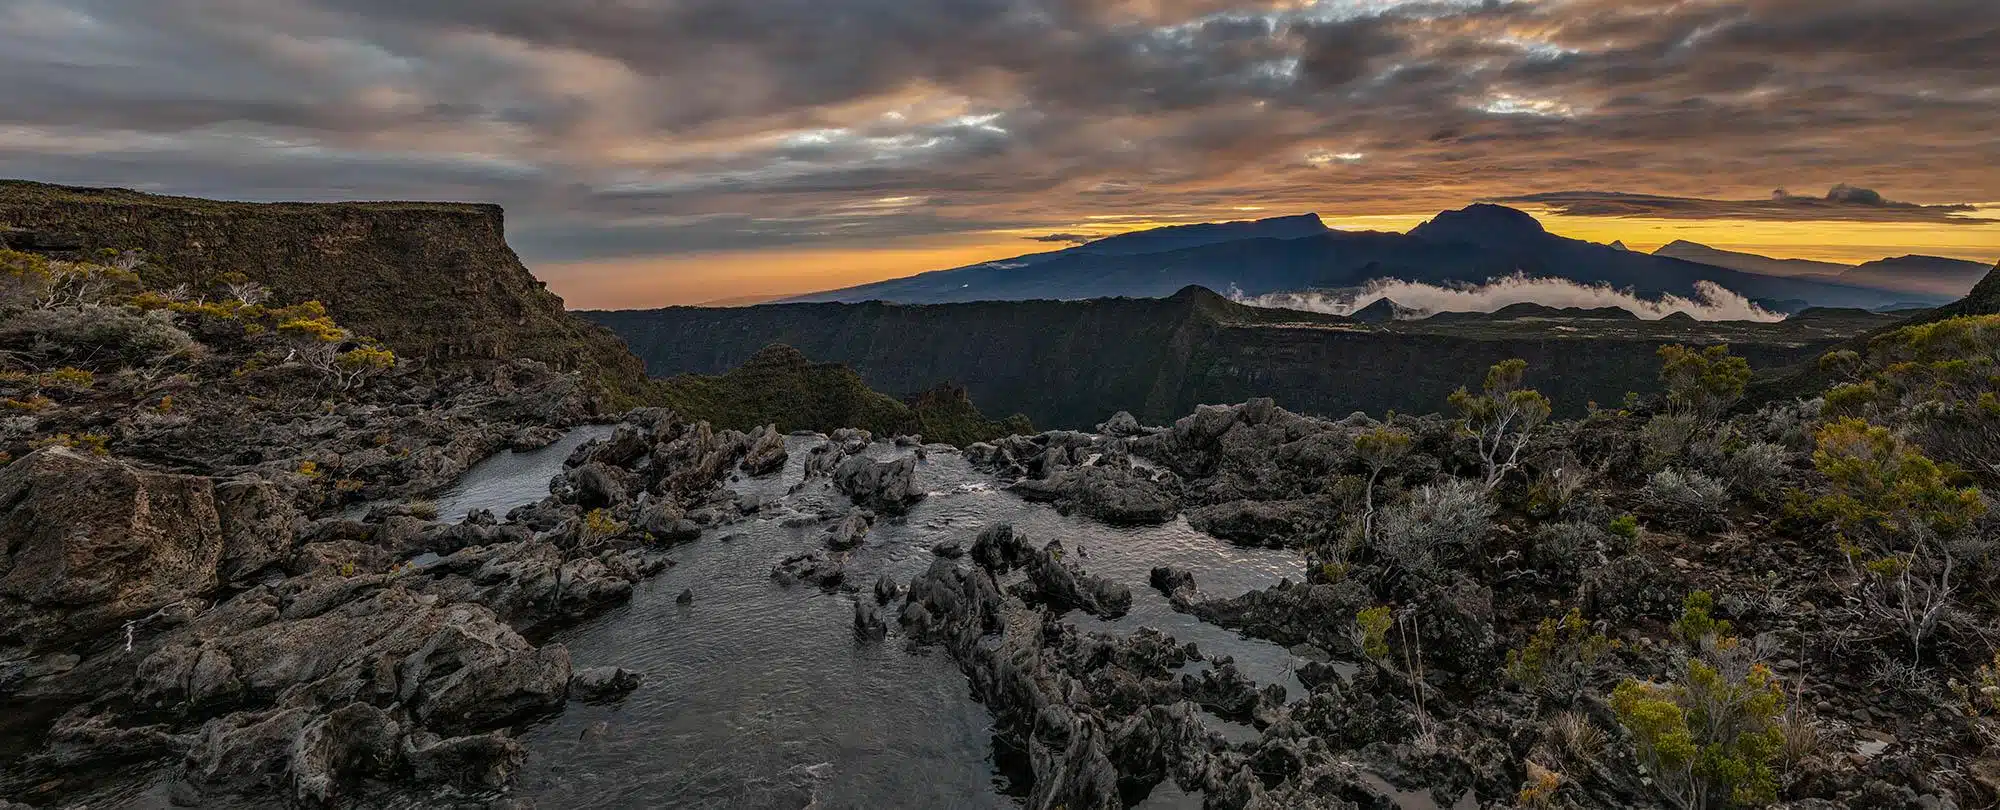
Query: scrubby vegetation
x: 211, y: 376
x: 779, y: 386
x: 1697, y: 604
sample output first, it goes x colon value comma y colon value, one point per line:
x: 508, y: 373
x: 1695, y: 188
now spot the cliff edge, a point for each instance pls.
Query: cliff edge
x: 435, y: 281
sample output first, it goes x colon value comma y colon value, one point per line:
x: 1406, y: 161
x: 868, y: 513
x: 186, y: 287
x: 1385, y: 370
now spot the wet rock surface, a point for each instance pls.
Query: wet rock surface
x: 395, y: 649
x: 210, y: 623
x: 887, y: 486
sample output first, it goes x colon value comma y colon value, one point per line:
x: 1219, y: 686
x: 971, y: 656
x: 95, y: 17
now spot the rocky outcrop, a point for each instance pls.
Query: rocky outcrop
x: 1053, y: 580
x: 886, y: 486
x: 1289, y: 613
x: 766, y: 454
x: 92, y: 543
x: 850, y: 531
x: 432, y: 280
x: 1084, y: 474
x: 818, y: 567
x: 260, y: 523
x: 603, y: 684
x: 1120, y: 495
x: 334, y: 658
x: 1271, y: 524
x: 1102, y: 717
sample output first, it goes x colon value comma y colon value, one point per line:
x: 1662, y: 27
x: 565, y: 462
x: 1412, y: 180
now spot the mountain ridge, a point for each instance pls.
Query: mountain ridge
x: 1471, y: 245
x: 1934, y: 275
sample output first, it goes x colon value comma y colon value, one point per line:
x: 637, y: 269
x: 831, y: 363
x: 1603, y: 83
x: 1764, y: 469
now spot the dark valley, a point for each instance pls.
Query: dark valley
x: 1073, y: 364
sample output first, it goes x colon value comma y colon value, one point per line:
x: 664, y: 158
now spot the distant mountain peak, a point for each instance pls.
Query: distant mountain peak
x: 1309, y: 217
x: 1195, y: 234
x: 1480, y: 223
x: 1197, y: 294
x: 1382, y: 310
x: 1916, y: 258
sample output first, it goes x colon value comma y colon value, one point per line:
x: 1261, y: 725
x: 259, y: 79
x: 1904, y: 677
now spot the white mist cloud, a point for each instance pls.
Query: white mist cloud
x: 1711, y: 302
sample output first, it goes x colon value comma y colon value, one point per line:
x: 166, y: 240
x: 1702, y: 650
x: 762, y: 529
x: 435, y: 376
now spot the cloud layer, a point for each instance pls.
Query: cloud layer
x: 642, y: 127
x: 1842, y: 203
x: 1712, y: 302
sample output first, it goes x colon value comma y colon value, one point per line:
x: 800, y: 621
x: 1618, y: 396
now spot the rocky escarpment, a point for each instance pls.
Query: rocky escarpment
x: 363, y: 653
x: 1071, y: 364
x: 434, y: 281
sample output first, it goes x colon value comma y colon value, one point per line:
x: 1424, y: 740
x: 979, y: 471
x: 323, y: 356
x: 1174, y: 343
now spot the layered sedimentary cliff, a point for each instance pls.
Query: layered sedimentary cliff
x: 435, y: 281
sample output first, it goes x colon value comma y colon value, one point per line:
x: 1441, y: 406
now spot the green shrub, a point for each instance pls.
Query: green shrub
x: 1713, y: 738
x: 1559, y: 658
x: 598, y: 527
x: 1690, y: 500
x: 1378, y: 448
x: 1373, y: 625
x: 1696, y: 624
x: 1437, y: 528
x: 1702, y: 383
x: 1883, y: 489
x: 1501, y: 418
x: 96, y: 336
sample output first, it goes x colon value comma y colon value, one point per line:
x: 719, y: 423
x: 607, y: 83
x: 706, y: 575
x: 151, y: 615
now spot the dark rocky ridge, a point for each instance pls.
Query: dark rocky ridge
x: 1071, y: 364
x: 435, y: 281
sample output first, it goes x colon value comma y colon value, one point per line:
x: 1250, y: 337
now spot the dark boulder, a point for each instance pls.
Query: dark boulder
x: 766, y: 453
x: 887, y: 486
x: 92, y: 543
x: 603, y: 684
x: 260, y: 526
x: 812, y: 568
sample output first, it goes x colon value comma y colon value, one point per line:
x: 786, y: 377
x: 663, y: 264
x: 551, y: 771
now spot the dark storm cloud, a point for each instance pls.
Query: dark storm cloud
x: 628, y: 128
x: 1062, y: 238
x: 1843, y: 203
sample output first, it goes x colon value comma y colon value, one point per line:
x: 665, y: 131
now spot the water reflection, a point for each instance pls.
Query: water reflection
x: 760, y: 696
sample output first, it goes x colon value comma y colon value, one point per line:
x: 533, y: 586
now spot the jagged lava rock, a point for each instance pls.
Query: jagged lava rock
x: 92, y: 542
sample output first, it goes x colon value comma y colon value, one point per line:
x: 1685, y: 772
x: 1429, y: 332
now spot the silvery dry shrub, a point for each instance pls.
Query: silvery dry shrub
x: 1439, y: 526
x: 1758, y: 469
x: 1689, y: 500
x: 1676, y: 437
x: 1563, y: 549
x: 96, y: 333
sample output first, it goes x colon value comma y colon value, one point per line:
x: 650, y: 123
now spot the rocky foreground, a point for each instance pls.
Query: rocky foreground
x: 1679, y: 603
x: 193, y: 582
x: 260, y: 653
x: 1639, y: 613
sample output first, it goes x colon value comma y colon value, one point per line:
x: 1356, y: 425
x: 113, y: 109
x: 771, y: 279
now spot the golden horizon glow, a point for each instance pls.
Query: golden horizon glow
x: 745, y: 277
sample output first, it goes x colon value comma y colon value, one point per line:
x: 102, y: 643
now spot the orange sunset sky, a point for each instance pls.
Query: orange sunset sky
x: 653, y: 152
x: 745, y: 277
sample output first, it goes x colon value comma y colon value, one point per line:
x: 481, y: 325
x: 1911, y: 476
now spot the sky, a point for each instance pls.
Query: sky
x: 655, y: 152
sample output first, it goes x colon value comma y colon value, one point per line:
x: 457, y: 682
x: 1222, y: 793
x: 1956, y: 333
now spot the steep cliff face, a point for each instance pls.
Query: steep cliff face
x: 436, y: 281
x: 1072, y: 364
